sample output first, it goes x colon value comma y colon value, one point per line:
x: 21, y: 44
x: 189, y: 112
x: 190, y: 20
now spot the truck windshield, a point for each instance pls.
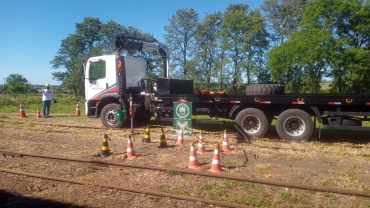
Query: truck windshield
x: 97, y: 70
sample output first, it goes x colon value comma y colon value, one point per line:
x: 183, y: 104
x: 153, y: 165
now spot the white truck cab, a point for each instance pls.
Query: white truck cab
x: 101, y: 76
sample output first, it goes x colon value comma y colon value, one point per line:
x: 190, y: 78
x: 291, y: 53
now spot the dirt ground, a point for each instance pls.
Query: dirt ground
x: 339, y: 159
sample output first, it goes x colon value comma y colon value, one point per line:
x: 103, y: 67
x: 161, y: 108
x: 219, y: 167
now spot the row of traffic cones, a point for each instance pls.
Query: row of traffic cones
x: 22, y: 113
x: 130, y: 147
x: 201, y: 148
x: 193, y: 159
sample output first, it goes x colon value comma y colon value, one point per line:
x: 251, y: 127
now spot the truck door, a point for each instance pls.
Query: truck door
x: 97, y: 80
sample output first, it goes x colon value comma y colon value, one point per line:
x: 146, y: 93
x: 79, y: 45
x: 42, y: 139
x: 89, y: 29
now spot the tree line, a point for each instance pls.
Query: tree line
x: 297, y: 43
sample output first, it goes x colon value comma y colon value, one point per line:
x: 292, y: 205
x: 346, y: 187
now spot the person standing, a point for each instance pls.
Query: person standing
x: 47, y: 95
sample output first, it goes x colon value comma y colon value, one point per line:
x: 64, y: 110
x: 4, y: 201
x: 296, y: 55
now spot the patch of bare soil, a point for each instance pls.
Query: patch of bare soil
x: 338, y: 160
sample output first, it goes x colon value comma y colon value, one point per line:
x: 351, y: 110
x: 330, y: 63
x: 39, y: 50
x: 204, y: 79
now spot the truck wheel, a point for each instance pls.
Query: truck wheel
x: 294, y: 124
x: 265, y: 89
x: 252, y: 122
x: 108, y: 116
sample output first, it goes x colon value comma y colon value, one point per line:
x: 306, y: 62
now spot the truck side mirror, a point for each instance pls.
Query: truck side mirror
x: 82, y: 69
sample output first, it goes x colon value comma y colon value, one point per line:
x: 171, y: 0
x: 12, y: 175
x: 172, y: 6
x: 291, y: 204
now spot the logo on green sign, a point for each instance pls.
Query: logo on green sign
x: 182, y: 110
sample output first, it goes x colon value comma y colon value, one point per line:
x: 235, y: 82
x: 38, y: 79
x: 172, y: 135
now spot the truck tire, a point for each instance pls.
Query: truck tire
x: 265, y: 89
x: 294, y: 124
x: 252, y: 122
x: 108, y: 116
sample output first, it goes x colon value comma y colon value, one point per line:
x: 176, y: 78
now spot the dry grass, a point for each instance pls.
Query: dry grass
x: 332, y: 164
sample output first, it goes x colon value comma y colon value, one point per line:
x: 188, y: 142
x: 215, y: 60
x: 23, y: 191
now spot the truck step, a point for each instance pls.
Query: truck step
x: 365, y: 128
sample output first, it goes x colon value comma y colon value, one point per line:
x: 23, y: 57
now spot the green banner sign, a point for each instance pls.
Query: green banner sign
x: 182, y: 112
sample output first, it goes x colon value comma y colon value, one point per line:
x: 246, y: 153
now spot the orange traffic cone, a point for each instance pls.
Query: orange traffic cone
x: 180, y: 138
x: 225, y: 143
x: 193, y: 159
x: 216, y: 162
x: 201, y: 149
x: 38, y: 114
x: 78, y: 113
x: 130, y: 147
x: 22, y: 113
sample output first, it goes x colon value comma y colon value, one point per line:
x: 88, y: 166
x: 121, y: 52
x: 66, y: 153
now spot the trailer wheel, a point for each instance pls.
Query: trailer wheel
x: 294, y: 124
x: 265, y: 89
x: 252, y: 122
x: 108, y: 116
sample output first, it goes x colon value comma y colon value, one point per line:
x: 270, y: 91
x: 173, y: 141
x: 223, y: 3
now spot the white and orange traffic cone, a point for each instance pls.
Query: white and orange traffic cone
x: 216, y: 162
x: 225, y: 143
x: 193, y: 159
x: 180, y: 138
x: 78, y: 112
x: 201, y: 149
x: 22, y: 113
x: 130, y: 147
x: 38, y: 115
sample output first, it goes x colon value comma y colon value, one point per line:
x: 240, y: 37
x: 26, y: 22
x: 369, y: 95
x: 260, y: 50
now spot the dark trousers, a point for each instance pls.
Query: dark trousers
x: 46, y: 107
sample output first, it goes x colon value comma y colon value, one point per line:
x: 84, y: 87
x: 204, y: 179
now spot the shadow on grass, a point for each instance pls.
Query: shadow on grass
x: 14, y: 201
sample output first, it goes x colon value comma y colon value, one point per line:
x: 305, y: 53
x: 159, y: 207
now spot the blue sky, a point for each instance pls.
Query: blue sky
x: 32, y: 30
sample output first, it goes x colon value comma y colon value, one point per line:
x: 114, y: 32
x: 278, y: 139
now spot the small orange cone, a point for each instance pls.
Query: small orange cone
x: 22, y: 113
x: 180, y: 138
x: 193, y: 159
x: 201, y: 149
x: 225, y: 143
x: 78, y: 112
x: 130, y: 147
x: 38, y: 114
x: 216, y: 162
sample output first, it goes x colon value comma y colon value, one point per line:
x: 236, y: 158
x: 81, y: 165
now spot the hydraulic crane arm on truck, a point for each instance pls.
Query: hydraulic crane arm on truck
x: 124, y: 42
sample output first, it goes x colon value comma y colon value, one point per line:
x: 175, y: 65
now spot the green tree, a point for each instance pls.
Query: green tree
x: 207, y: 58
x: 17, y: 84
x: 300, y: 62
x: 333, y: 40
x: 244, y: 36
x: 74, y: 49
x: 180, y: 39
x: 348, y: 23
x: 283, y: 17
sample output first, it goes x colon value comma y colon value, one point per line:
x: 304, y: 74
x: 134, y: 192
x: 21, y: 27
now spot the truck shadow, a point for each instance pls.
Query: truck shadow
x: 10, y: 200
x: 323, y: 135
x: 329, y: 136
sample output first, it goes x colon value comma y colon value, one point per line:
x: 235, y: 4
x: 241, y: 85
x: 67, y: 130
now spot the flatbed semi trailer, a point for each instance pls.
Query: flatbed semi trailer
x: 296, y: 114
